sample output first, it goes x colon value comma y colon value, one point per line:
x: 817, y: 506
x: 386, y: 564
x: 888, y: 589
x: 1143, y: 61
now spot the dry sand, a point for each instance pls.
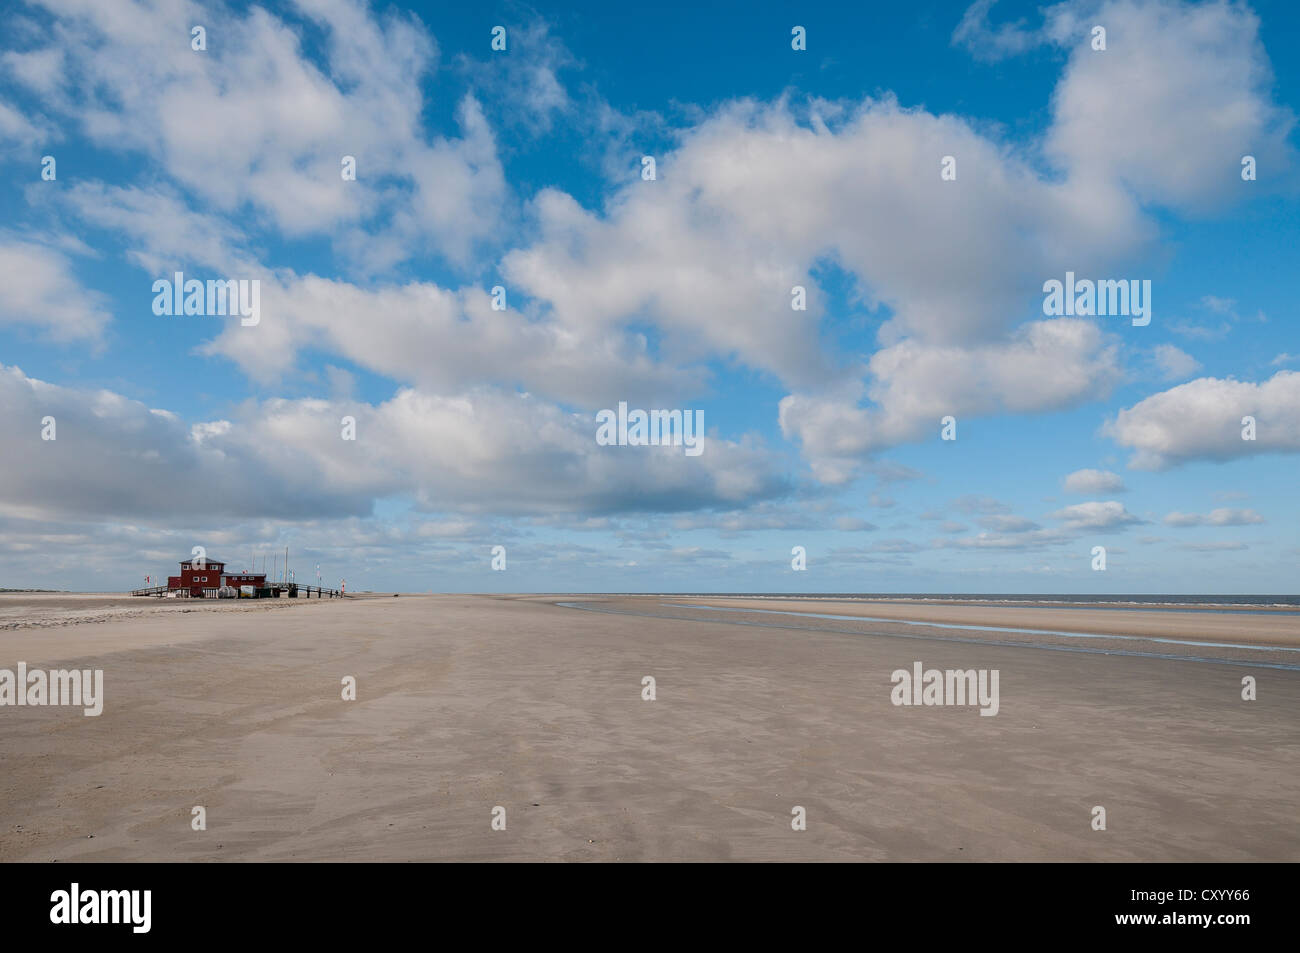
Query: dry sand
x: 469, y: 702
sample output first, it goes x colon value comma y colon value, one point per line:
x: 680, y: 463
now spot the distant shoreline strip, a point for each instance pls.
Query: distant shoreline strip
x: 1083, y: 650
x: 999, y: 628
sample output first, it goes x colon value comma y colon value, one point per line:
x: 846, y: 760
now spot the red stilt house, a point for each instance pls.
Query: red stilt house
x: 201, y: 579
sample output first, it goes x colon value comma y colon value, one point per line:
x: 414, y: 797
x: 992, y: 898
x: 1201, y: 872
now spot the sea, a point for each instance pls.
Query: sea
x: 1249, y: 603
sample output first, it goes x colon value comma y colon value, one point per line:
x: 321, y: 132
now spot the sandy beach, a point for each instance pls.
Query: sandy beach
x: 534, y: 704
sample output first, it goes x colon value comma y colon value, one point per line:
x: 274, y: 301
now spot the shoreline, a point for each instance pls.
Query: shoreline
x: 1275, y: 630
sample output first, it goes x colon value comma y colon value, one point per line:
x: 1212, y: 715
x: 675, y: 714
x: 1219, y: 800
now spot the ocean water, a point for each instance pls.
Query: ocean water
x: 1252, y: 603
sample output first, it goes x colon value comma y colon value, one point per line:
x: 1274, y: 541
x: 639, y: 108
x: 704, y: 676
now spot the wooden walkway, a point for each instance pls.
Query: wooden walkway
x: 321, y: 593
x: 291, y: 590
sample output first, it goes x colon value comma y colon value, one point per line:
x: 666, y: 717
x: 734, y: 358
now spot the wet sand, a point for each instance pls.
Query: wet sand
x: 466, y: 703
x: 1271, y: 627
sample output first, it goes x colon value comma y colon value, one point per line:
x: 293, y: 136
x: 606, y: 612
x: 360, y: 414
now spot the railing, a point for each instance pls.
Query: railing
x: 292, y: 589
x: 321, y: 592
x: 151, y: 591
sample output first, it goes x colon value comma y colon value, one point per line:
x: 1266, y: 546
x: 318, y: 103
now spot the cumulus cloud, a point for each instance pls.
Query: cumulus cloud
x: 1180, y: 94
x: 1034, y: 539
x: 754, y: 197
x: 737, y: 220
x: 1007, y: 523
x: 1202, y: 420
x: 1109, y: 514
x: 163, y: 230
x: 40, y: 69
x: 973, y: 503
x: 483, y: 451
x: 1094, y: 481
x: 508, y: 452
x: 1174, y: 363
x: 39, y: 288
x: 751, y: 201
x: 18, y: 131
x: 1002, y: 530
x: 760, y: 515
x: 444, y: 340
x: 116, y: 457
x: 448, y: 340
x: 1220, y: 517
x: 1044, y: 366
x: 253, y: 122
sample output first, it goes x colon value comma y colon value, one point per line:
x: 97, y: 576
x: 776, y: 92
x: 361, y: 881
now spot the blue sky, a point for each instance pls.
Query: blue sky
x: 775, y: 167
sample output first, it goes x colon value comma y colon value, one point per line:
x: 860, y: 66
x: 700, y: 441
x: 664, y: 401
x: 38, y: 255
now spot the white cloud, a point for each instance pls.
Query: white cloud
x: 41, y: 70
x: 1007, y: 523
x: 1044, y: 366
x: 1219, y: 517
x: 754, y: 185
x: 1003, y: 530
x: 1169, y: 108
x: 1202, y: 420
x: 753, y: 199
x: 1090, y: 482
x: 989, y: 43
x: 38, y: 288
x: 165, y: 234
x: 524, y: 86
x: 1180, y: 94
x: 446, y: 341
x: 1174, y: 363
x: 1110, y: 514
x: 253, y: 122
x: 17, y: 131
x: 1034, y: 539
x: 477, y: 452
x: 116, y: 457
x: 972, y: 504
